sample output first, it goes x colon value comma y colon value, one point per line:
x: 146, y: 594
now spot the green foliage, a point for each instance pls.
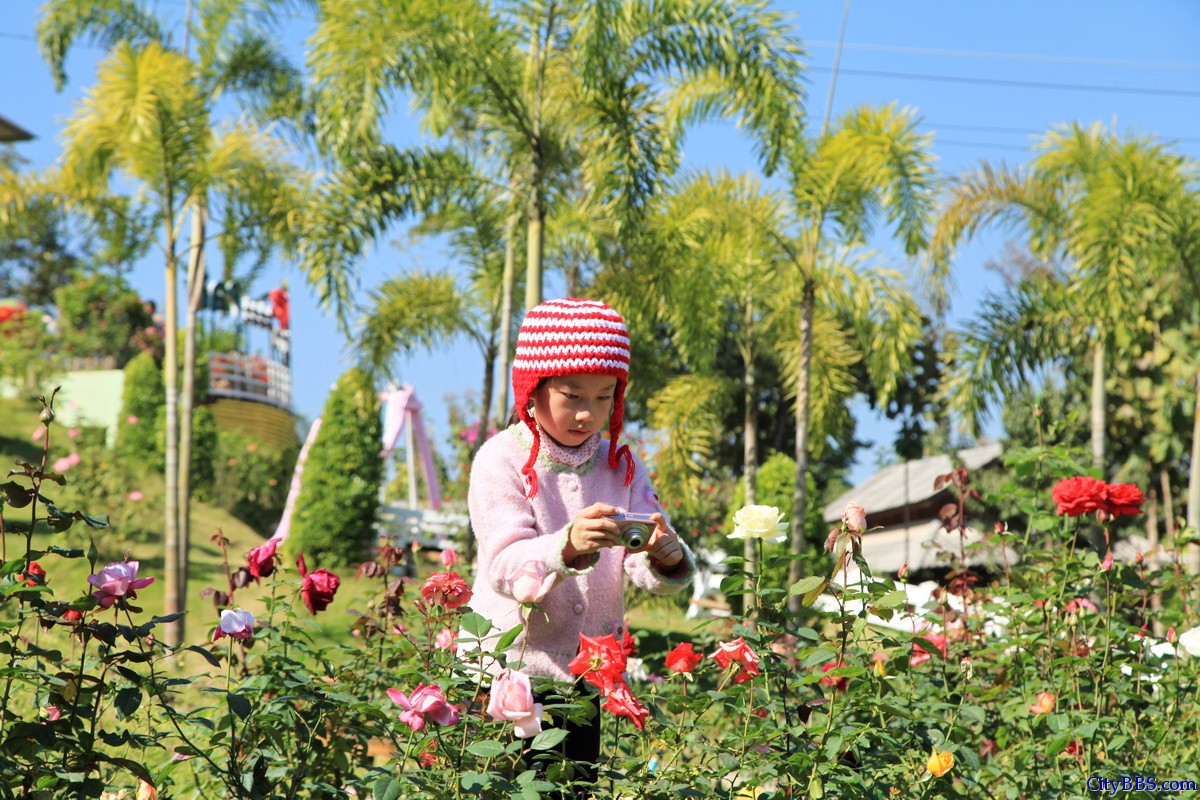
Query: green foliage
x: 335, y: 511
x: 251, y: 479
x: 100, y: 316
x: 846, y: 700
x: 28, y: 356
x: 205, y: 444
x: 141, y: 400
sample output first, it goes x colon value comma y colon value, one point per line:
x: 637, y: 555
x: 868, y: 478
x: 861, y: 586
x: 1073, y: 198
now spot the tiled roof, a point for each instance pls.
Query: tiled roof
x: 909, y: 482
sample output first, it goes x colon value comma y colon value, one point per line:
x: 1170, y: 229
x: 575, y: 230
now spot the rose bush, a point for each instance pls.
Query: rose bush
x: 865, y: 694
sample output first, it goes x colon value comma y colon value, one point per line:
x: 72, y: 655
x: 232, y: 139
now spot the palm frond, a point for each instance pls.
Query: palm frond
x: 407, y: 314
x: 102, y: 22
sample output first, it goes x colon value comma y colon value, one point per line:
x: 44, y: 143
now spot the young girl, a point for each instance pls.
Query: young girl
x: 542, y: 491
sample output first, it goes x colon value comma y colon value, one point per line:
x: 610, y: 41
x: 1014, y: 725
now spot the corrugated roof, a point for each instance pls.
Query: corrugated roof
x: 908, y: 482
x: 11, y: 132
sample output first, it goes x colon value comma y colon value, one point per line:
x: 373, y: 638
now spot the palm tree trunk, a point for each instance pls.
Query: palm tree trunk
x: 800, y: 496
x: 172, y: 569
x: 534, y: 246
x: 506, y: 303
x: 194, y: 288
x: 750, y: 460
x: 1191, y: 555
x: 1098, y: 402
x: 1168, y: 506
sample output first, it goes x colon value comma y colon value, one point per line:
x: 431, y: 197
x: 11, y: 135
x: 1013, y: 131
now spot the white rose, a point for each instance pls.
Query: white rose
x: 1190, y: 642
x: 759, y: 522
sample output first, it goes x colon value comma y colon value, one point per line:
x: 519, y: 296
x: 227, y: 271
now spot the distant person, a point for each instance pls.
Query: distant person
x: 542, y: 493
x: 279, y: 304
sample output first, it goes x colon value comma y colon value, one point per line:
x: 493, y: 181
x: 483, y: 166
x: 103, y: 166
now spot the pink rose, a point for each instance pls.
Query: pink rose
x: 62, y: 464
x: 73, y: 433
x: 449, y: 557
x: 512, y: 700
x: 531, y: 582
x: 118, y: 579
x: 52, y: 713
x: 135, y: 496
x: 131, y: 420
x: 445, y: 640
x: 236, y: 623
x: 38, y: 433
x: 446, y: 589
x: 425, y: 704
x: 261, y: 560
x: 73, y: 459
x: 855, y: 517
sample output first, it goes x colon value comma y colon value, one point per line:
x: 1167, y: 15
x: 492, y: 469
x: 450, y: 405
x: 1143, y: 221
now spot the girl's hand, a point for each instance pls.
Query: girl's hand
x: 591, y: 531
x: 665, y: 550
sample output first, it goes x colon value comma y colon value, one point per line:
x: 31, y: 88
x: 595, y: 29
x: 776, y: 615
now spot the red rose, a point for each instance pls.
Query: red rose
x: 1079, y: 495
x: 1123, y: 498
x: 34, y: 576
x: 318, y: 587
x: 622, y: 703
x: 261, y: 559
x: 737, y: 652
x: 600, y: 661
x: 446, y: 589
x: 921, y: 655
x: 839, y: 684
x: 683, y: 658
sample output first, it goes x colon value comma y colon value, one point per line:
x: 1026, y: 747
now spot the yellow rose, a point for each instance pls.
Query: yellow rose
x: 759, y: 522
x: 940, y: 762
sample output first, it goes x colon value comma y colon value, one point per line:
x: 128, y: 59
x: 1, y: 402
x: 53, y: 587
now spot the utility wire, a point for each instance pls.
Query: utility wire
x: 993, y: 56
x: 1072, y: 87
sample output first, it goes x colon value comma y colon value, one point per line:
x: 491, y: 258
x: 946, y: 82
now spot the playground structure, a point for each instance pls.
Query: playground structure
x: 407, y: 523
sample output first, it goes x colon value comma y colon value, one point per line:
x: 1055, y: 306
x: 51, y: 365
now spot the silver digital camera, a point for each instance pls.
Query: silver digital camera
x: 635, y: 530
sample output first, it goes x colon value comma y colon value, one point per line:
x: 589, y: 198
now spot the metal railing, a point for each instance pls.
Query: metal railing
x: 244, y: 377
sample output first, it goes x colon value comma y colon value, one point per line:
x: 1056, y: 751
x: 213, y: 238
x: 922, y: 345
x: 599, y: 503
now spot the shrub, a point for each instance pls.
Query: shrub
x: 142, y: 399
x: 101, y: 317
x: 339, y: 495
x: 251, y: 479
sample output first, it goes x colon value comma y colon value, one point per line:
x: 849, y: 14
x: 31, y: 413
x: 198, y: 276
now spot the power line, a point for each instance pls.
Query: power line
x: 983, y: 54
x: 1025, y: 131
x: 1070, y: 87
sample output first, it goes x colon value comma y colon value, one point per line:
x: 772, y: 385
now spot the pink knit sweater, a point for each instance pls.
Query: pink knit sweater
x: 512, y: 530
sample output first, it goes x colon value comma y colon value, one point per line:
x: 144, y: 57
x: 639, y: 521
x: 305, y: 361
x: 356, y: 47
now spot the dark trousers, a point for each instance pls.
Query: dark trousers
x: 581, y: 746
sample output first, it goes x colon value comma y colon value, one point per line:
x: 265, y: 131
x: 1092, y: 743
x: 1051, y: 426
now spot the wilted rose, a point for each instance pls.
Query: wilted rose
x: 261, y: 560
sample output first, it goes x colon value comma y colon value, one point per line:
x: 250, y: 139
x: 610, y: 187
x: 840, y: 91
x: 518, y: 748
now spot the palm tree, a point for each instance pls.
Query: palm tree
x: 148, y: 120
x: 872, y: 162
x: 560, y: 87
x: 715, y: 268
x: 1089, y: 197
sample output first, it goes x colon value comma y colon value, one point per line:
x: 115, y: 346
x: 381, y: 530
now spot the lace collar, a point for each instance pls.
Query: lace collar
x: 554, y: 456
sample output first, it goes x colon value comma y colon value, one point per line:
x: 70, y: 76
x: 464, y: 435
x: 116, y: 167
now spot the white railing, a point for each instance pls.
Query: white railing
x: 429, y: 529
x: 244, y: 377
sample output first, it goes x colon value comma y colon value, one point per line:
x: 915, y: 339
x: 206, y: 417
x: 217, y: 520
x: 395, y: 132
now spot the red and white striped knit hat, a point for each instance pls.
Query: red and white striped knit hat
x: 572, y: 337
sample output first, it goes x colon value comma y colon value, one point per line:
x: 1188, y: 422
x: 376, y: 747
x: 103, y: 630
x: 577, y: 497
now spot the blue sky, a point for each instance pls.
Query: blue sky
x: 987, y: 77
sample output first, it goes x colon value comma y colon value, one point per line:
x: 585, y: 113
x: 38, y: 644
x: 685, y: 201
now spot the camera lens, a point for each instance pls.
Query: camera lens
x: 635, y: 536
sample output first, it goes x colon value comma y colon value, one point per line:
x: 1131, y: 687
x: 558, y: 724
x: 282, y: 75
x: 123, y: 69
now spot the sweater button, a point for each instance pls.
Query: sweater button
x: 572, y: 484
x: 578, y: 608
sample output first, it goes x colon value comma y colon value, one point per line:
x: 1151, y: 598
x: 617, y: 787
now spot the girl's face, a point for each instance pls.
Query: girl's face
x: 573, y: 407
